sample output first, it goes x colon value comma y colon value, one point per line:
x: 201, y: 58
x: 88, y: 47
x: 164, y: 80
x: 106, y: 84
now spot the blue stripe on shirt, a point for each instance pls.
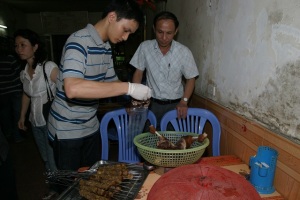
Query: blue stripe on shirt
x: 76, y: 46
x: 73, y: 121
x: 72, y: 71
x: 97, y: 50
x: 97, y: 77
x: 110, y: 77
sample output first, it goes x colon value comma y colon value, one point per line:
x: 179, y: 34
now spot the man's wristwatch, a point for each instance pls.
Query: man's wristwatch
x: 185, y: 99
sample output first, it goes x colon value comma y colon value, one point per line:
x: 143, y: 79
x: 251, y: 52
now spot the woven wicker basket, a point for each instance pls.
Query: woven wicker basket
x: 146, y: 145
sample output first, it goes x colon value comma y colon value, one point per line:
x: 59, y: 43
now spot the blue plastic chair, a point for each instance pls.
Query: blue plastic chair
x: 128, y: 152
x: 194, y: 123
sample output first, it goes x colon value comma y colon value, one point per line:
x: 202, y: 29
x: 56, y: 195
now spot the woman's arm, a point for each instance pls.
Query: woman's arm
x: 53, y: 74
x: 24, y: 108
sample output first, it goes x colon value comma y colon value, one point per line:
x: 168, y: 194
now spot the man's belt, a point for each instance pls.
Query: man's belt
x: 165, y: 101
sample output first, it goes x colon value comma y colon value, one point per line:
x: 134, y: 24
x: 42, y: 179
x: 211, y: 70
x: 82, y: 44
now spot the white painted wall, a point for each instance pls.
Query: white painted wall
x: 250, y: 51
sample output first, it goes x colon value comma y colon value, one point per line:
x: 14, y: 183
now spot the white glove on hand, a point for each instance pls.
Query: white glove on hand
x: 139, y: 91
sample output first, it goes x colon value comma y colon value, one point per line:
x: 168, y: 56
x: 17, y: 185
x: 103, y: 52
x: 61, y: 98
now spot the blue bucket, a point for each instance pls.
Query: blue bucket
x: 263, y: 167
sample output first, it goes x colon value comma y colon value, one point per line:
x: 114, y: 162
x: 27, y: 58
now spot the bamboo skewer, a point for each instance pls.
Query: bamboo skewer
x: 153, y: 131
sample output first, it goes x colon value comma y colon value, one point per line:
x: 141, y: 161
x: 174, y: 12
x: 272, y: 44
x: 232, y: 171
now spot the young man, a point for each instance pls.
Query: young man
x: 87, y: 74
x: 166, y: 62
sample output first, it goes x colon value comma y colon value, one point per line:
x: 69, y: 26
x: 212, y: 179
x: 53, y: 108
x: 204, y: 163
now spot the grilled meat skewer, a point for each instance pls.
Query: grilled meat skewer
x: 153, y: 131
x: 163, y: 142
x: 186, y: 141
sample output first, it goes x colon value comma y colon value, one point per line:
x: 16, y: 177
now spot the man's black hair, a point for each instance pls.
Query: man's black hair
x: 125, y: 9
x: 166, y: 15
x: 40, y: 55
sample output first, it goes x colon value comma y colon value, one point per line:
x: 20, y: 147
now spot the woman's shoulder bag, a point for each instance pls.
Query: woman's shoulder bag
x: 50, y: 96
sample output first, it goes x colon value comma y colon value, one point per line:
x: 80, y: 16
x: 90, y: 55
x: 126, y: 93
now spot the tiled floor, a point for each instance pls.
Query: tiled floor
x: 29, y: 168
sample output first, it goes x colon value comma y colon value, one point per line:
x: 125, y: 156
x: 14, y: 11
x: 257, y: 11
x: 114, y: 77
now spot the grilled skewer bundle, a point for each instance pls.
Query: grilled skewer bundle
x: 105, y: 183
x: 184, y: 142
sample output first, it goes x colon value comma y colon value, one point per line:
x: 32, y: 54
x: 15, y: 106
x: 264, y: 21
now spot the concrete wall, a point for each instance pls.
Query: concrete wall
x: 248, y: 51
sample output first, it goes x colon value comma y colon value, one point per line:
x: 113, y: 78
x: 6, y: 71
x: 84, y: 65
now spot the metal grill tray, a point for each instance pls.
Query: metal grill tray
x: 134, y: 185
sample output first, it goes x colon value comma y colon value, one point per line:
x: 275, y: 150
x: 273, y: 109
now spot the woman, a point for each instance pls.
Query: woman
x: 29, y: 48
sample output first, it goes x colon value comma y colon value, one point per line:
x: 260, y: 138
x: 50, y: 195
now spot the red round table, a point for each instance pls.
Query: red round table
x: 206, y: 182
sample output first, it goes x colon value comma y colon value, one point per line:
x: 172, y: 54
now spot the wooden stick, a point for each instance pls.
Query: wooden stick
x: 153, y: 131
